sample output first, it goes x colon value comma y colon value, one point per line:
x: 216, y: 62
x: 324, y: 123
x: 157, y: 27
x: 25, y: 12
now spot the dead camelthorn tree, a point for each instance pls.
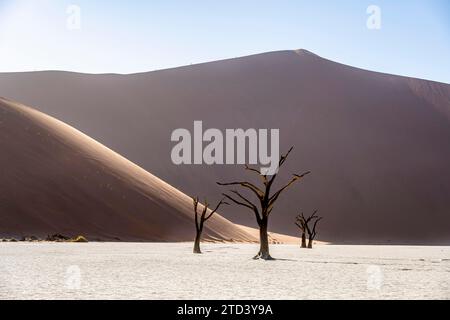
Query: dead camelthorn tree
x: 300, y: 223
x: 303, y: 223
x: 201, y: 218
x: 266, y: 200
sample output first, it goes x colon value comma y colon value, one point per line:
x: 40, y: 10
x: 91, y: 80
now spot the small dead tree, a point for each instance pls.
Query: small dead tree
x: 266, y: 199
x: 304, y: 224
x: 300, y: 223
x: 201, y: 218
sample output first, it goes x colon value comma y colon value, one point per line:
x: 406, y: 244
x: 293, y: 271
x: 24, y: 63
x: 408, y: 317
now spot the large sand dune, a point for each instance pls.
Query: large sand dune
x: 377, y: 144
x: 54, y: 179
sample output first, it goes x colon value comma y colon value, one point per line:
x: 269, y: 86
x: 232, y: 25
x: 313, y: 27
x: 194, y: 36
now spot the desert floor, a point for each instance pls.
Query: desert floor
x: 224, y: 271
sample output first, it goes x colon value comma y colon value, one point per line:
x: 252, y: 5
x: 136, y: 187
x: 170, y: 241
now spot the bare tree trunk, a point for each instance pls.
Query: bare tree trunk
x: 303, y: 239
x: 310, y: 243
x: 203, y: 218
x: 263, y: 242
x: 197, y: 242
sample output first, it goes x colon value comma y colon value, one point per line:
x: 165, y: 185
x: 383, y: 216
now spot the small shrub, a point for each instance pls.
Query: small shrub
x: 79, y: 239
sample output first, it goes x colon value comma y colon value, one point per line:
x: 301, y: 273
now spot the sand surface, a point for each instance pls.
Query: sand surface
x: 54, y: 179
x: 377, y: 144
x: 171, y: 271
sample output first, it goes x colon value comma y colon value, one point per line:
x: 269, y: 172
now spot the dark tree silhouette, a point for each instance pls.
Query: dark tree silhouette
x: 201, y: 218
x: 303, y: 223
x: 266, y: 199
x: 300, y: 223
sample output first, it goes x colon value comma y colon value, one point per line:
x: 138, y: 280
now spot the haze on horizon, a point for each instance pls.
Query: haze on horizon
x: 118, y: 37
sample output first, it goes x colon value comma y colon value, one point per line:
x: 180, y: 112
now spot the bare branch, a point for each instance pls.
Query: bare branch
x: 300, y: 226
x: 259, y: 193
x: 280, y: 163
x: 310, y: 218
x: 284, y: 157
x: 252, y: 169
x: 237, y: 201
x: 314, y: 233
x: 217, y: 208
x: 247, y: 204
x: 296, y: 177
x: 205, y: 209
x: 244, y: 198
x: 262, y: 176
x: 195, y: 200
x: 300, y: 222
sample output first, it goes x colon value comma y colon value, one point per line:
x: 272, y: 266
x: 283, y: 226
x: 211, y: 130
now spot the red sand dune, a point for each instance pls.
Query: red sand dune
x: 54, y: 179
x: 377, y: 144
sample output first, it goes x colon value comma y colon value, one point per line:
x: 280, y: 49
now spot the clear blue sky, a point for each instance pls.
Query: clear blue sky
x: 134, y: 36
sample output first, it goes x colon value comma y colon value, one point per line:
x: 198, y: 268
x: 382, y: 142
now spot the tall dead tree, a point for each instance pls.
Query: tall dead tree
x: 266, y: 201
x: 201, y: 218
x: 304, y: 224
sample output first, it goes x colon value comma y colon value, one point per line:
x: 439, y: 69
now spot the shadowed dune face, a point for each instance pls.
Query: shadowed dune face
x: 54, y: 179
x: 377, y: 145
